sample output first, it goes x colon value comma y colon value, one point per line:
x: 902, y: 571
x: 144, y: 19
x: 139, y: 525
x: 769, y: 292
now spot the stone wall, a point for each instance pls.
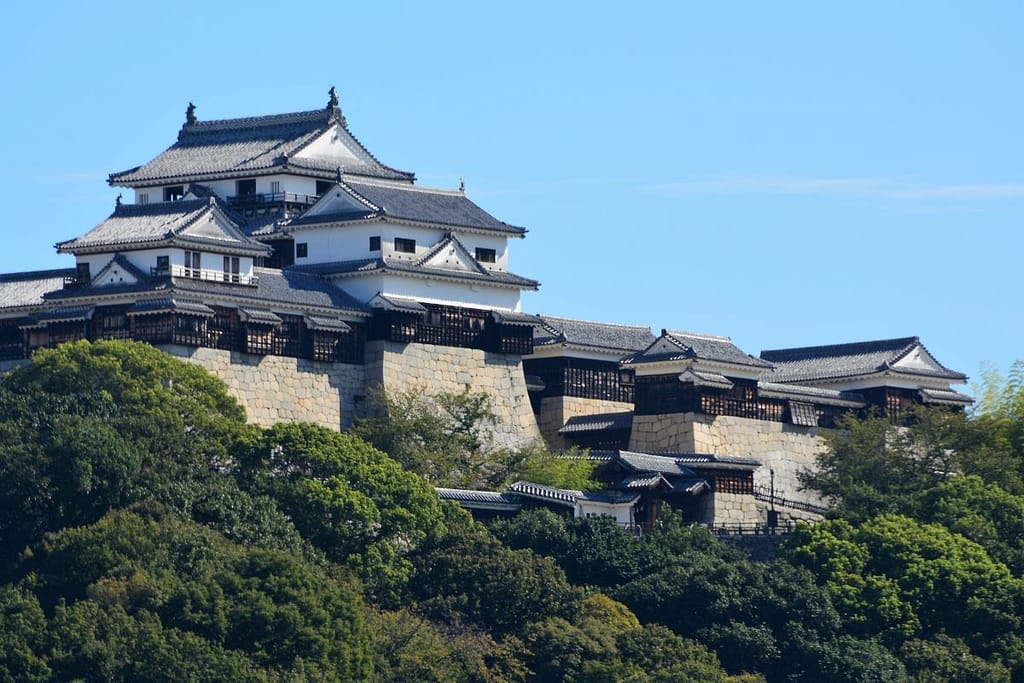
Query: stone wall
x: 277, y: 389
x: 787, y: 449
x: 437, y: 369
x: 555, y: 410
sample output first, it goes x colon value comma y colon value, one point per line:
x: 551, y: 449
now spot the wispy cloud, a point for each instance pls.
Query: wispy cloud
x: 869, y: 188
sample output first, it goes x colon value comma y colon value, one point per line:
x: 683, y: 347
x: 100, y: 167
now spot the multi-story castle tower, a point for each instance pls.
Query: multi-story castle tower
x: 283, y: 237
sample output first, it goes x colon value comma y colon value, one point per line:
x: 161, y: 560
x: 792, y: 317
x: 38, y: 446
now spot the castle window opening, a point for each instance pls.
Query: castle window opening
x: 375, y: 243
x: 174, y: 193
x: 485, y: 255
x: 193, y: 264
x: 405, y: 246
x: 231, y: 268
x: 301, y: 249
x: 246, y: 188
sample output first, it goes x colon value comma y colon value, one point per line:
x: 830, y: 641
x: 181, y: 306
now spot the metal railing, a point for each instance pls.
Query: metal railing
x: 205, y: 275
x: 273, y: 198
x: 764, y: 494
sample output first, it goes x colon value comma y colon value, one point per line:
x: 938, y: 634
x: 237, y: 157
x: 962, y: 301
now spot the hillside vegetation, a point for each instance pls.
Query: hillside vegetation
x: 147, y: 533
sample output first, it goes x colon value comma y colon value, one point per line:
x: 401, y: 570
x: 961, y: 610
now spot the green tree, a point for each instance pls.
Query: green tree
x: 190, y: 594
x: 350, y: 500
x: 900, y: 578
x: 469, y: 574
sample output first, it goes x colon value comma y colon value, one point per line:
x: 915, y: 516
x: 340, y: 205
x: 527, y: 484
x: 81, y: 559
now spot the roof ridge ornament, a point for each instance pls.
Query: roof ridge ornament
x: 190, y: 115
x: 334, y: 108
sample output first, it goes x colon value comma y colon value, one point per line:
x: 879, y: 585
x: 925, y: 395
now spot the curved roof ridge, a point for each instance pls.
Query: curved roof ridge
x: 903, y: 344
x: 696, y: 335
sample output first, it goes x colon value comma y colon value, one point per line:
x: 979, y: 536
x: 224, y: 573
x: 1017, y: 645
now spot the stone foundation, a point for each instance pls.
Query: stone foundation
x: 787, y: 449
x: 437, y: 369
x: 555, y: 410
x: 278, y: 389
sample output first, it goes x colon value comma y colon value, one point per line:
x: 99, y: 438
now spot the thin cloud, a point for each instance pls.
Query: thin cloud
x: 869, y: 188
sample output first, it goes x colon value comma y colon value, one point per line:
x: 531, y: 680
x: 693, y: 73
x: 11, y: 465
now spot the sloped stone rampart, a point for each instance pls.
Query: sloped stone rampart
x: 277, y: 389
x: 437, y: 369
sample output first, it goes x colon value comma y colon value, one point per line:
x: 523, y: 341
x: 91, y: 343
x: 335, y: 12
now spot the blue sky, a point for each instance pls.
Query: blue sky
x: 786, y: 174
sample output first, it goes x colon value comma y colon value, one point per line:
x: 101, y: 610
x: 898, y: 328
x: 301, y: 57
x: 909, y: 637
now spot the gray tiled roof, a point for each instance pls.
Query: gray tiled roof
x: 646, y: 462
x: 279, y: 287
x: 843, y: 399
x: 515, y: 318
x: 702, y: 379
x: 410, y: 203
x: 597, y: 423
x: 19, y: 290
x: 480, y: 497
x: 944, y: 397
x: 168, y: 304
x: 158, y: 223
x: 379, y: 265
x: 61, y: 314
x: 847, y: 360
x: 274, y: 288
x: 550, y: 493
x: 690, y: 345
x: 316, y: 322
x: 248, y: 146
x: 593, y: 335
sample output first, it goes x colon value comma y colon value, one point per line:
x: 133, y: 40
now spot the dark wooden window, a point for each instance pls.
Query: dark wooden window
x: 323, y: 187
x: 193, y: 264
x: 245, y: 188
x: 741, y: 483
x: 486, y: 255
x: 231, y: 268
x: 406, y: 246
x: 111, y: 323
x: 156, y: 329
x: 11, y: 340
x: 174, y: 193
x: 301, y: 249
x: 223, y: 331
x: 375, y: 243
x: 163, y: 265
x: 189, y: 330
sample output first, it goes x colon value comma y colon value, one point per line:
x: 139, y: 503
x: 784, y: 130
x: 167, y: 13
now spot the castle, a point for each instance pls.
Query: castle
x: 280, y: 254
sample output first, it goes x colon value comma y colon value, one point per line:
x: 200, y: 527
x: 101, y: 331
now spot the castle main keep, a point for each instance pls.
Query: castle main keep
x: 280, y: 254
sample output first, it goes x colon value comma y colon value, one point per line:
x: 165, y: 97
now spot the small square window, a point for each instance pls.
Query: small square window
x: 246, y: 187
x: 375, y: 243
x: 486, y: 255
x: 163, y: 265
x: 406, y: 246
x: 173, y: 194
x: 302, y: 250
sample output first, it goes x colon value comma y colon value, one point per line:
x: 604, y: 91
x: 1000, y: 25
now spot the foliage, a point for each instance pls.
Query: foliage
x: 144, y: 595
x: 469, y: 574
x: 872, y: 467
x: 904, y: 579
x: 409, y: 647
x: 569, y: 470
x: 443, y: 437
x: 350, y: 500
x: 86, y: 428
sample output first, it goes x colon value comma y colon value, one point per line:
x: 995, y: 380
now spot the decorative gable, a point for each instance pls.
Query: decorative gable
x: 338, y: 201
x: 117, y: 273
x: 334, y: 145
x: 918, y: 359
x: 214, y: 225
x: 450, y: 254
